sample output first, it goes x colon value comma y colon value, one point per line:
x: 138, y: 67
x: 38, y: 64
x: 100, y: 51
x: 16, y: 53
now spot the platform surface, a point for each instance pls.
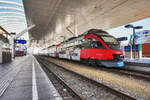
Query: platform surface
x: 24, y: 79
x: 137, y: 60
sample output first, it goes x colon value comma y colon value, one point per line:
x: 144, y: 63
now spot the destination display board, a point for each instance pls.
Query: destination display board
x: 142, y: 37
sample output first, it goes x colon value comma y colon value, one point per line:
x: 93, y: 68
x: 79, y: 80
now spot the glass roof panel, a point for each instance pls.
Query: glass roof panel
x: 12, y: 17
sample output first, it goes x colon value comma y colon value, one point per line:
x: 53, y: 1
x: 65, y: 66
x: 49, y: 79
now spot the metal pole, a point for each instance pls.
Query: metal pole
x: 131, y: 52
x: 13, y: 48
x: 140, y: 51
x: 134, y: 50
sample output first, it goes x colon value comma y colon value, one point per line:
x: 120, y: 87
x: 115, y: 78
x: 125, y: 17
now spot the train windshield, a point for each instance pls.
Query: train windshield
x: 111, y: 42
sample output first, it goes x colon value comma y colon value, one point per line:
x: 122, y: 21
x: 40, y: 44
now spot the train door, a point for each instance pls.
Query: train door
x: 67, y: 53
x: 84, y: 50
x: 76, y: 53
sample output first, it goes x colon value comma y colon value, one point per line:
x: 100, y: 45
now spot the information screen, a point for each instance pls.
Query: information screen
x: 21, y: 41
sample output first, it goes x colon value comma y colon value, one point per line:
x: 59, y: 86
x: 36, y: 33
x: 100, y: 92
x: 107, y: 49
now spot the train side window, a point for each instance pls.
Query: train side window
x: 87, y: 43
x: 78, y: 46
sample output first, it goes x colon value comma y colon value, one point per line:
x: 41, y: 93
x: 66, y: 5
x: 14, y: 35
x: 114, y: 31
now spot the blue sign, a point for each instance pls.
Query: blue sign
x: 21, y: 41
x: 128, y: 48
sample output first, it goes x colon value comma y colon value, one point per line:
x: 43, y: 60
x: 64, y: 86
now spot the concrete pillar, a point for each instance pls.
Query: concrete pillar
x: 13, y: 48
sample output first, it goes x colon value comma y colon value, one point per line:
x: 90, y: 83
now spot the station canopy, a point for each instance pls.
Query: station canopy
x: 57, y: 20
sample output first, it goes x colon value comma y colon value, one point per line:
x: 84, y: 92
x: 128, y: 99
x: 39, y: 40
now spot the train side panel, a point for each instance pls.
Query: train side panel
x: 93, y: 53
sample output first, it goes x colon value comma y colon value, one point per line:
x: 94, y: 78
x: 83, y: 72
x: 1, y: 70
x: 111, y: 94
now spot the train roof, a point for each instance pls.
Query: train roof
x: 95, y: 31
x: 90, y: 31
x: 51, y: 46
x: 71, y: 38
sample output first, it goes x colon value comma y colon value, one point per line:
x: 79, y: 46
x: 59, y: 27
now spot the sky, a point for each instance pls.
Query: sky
x: 121, y: 31
x: 12, y: 16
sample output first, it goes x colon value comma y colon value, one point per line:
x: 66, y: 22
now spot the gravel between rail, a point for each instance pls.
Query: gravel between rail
x: 130, y: 72
x: 136, y: 88
x: 64, y: 90
x: 88, y: 89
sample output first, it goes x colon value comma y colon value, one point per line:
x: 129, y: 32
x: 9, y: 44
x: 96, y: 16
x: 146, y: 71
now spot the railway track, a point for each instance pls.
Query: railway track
x: 129, y: 73
x: 65, y: 91
x: 124, y: 96
x: 122, y: 71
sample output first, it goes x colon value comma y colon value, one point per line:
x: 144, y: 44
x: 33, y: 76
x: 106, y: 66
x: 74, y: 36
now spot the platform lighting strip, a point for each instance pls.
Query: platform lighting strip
x: 9, y: 12
x: 11, y: 2
x: 13, y: 16
x: 12, y: 20
x: 14, y: 8
x: 10, y: 5
x: 17, y: 1
x: 9, y: 28
x: 16, y: 19
x: 13, y: 23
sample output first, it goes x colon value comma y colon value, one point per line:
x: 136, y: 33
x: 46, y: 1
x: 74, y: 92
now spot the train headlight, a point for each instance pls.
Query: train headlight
x: 118, y: 57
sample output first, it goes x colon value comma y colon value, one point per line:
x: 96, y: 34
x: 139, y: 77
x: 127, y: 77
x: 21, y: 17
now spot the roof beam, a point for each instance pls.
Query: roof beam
x: 4, y: 30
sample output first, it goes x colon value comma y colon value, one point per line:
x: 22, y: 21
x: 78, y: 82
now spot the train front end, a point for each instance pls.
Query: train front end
x: 115, y: 59
x: 114, y: 52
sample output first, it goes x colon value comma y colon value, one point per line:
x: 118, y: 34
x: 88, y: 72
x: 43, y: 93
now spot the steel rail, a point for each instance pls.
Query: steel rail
x: 74, y: 93
x: 131, y: 73
x: 114, y: 91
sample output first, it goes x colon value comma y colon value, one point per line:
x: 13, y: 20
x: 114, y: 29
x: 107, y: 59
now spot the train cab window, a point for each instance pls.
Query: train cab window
x: 97, y: 44
x: 111, y: 42
x: 92, y: 43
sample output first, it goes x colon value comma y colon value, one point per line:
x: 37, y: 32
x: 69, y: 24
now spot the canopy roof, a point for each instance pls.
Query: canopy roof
x: 56, y: 19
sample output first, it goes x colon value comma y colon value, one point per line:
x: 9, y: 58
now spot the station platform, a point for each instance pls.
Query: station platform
x: 138, y: 62
x: 24, y: 79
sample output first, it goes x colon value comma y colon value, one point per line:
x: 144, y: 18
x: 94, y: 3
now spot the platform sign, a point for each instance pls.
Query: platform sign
x: 142, y: 37
x: 21, y: 41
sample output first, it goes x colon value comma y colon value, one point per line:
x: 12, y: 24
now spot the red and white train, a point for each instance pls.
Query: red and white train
x: 94, y: 46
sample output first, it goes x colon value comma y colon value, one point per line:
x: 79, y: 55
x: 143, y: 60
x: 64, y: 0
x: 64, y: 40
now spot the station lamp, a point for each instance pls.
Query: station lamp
x: 133, y: 27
